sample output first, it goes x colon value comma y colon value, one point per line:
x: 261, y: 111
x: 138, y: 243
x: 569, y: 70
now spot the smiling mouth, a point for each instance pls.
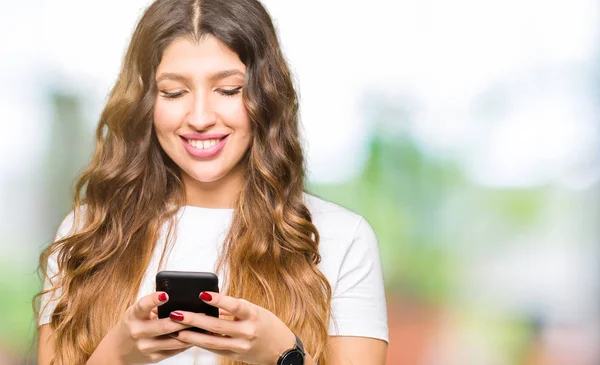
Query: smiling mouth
x: 205, y: 144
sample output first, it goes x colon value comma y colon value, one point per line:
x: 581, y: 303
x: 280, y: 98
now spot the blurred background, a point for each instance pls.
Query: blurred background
x: 466, y: 132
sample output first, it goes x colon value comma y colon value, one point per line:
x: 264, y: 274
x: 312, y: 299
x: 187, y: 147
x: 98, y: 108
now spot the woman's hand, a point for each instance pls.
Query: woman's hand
x: 139, y: 337
x: 255, y: 335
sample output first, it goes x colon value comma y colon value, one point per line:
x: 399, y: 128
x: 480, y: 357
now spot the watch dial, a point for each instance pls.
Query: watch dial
x: 293, y: 358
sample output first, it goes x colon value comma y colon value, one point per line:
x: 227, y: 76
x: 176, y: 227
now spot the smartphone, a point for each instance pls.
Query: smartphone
x: 184, y: 288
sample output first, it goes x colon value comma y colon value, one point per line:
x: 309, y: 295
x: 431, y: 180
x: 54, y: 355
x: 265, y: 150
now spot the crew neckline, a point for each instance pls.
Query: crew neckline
x: 227, y: 210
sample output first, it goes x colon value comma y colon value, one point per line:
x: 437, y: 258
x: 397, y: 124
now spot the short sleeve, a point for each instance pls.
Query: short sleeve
x: 49, y: 300
x: 358, y: 300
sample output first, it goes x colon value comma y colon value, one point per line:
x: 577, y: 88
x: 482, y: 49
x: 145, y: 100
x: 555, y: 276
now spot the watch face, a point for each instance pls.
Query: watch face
x: 293, y: 357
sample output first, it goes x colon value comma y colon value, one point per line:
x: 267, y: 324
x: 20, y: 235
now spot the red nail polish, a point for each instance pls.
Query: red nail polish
x: 176, y: 316
x: 162, y: 297
x: 205, y: 296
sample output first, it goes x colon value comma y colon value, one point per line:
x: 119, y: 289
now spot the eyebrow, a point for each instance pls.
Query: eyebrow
x: 212, y: 77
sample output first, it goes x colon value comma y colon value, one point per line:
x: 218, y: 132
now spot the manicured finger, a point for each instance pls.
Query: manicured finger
x: 237, y: 307
x: 144, y: 306
x: 162, y: 344
x: 224, y: 345
x: 159, y: 327
x: 161, y: 355
x: 209, y: 323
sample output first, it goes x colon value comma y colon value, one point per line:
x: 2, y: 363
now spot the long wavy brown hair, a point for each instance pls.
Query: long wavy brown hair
x: 131, y: 189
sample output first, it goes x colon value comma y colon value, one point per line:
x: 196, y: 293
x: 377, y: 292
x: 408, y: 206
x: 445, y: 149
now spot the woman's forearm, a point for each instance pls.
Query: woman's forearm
x: 105, y: 353
x: 308, y: 360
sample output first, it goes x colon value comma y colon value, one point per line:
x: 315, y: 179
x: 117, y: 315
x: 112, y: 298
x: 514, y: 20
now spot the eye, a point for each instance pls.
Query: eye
x: 229, y: 92
x: 172, y: 95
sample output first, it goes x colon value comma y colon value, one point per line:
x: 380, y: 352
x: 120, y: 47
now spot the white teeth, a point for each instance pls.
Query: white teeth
x: 203, y: 144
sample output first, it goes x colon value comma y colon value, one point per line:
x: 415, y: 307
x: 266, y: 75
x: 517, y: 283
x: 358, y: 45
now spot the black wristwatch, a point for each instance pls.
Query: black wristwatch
x: 293, y: 356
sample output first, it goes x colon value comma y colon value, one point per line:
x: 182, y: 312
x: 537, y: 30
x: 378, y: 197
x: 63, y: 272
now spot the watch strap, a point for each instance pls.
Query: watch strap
x: 300, y: 345
x: 298, y: 349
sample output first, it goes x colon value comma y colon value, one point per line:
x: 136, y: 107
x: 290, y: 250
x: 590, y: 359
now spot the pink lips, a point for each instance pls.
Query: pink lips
x: 204, y: 136
x: 207, y: 152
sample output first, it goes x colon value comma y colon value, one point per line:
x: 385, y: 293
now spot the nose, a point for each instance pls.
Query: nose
x: 202, y: 114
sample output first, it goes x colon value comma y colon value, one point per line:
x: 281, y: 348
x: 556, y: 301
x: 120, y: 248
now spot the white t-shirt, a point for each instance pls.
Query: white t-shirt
x: 349, y: 259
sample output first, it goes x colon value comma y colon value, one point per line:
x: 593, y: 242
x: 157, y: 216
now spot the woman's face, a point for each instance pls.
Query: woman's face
x: 199, y: 115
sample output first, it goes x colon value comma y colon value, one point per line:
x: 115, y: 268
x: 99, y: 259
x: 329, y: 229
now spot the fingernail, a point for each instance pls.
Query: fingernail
x: 205, y: 296
x: 176, y: 316
x: 163, y: 297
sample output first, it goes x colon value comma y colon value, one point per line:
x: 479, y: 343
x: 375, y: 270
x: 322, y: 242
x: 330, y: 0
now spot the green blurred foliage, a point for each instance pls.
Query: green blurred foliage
x: 69, y: 149
x: 16, y: 314
x: 401, y: 193
x: 425, y: 211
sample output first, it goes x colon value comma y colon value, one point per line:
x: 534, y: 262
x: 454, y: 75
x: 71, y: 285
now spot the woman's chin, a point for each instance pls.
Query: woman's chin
x: 210, y: 174
x: 205, y: 177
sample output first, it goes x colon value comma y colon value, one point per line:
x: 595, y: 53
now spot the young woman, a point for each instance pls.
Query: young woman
x: 198, y: 167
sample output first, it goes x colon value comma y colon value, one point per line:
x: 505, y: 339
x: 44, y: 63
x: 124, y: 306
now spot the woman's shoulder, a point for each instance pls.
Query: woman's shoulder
x: 67, y: 225
x: 338, y: 226
x: 350, y: 260
x: 330, y: 212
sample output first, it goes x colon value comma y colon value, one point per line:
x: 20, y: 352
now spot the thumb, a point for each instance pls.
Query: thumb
x: 146, y: 304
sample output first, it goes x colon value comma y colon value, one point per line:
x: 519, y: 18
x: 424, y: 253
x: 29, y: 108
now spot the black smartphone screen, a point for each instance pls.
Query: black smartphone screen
x: 184, y: 288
